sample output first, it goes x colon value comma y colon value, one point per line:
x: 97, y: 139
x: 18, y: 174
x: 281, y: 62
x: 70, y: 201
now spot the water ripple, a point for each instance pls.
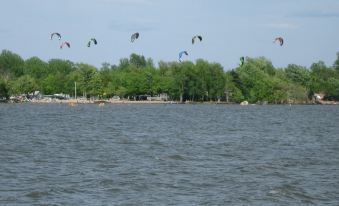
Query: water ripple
x: 168, y: 155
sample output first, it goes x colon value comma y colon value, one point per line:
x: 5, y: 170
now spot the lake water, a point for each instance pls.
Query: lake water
x: 168, y: 155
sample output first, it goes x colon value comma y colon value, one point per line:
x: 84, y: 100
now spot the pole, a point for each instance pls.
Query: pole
x: 75, y: 90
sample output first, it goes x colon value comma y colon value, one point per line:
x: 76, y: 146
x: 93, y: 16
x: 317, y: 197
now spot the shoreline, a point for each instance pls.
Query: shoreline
x: 99, y: 102
x: 74, y: 102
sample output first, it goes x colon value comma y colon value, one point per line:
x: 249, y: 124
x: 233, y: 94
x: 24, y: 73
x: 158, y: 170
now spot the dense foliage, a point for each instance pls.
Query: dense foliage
x: 257, y: 80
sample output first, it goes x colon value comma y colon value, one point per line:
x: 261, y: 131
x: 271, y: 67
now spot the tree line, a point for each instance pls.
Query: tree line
x: 257, y: 80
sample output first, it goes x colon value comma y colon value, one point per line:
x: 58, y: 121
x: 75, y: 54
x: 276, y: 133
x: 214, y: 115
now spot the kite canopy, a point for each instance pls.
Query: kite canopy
x: 196, y: 37
x: 242, y: 61
x: 57, y: 34
x: 92, y: 40
x: 65, y: 43
x: 280, y: 40
x: 134, y: 36
x: 182, y: 53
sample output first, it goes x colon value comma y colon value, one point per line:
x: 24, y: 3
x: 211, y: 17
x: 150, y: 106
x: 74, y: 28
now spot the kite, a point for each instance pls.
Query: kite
x: 182, y: 53
x: 55, y: 33
x: 196, y: 37
x: 134, y: 36
x: 65, y: 43
x: 280, y: 40
x: 92, y: 40
x: 242, y: 61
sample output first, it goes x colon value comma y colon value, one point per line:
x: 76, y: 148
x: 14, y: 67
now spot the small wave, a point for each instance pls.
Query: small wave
x: 229, y: 155
x: 291, y: 192
x: 273, y: 192
x: 114, y: 190
x: 37, y: 194
x: 176, y: 157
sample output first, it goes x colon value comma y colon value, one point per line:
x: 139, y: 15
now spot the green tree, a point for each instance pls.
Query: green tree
x: 257, y: 81
x: 210, y: 80
x: 86, y: 72
x: 336, y: 63
x: 49, y: 85
x: 124, y: 64
x: 11, y: 63
x: 233, y: 86
x: 36, y: 68
x: 117, y: 84
x: 164, y: 81
x: 96, y: 88
x: 135, y: 83
x: 262, y: 64
x: 298, y: 75
x: 72, y: 78
x: 63, y: 67
x: 4, y: 88
x: 138, y: 61
x: 332, y: 89
x: 24, y: 85
x: 296, y: 93
x: 121, y: 91
x: 323, y: 80
x: 181, y: 79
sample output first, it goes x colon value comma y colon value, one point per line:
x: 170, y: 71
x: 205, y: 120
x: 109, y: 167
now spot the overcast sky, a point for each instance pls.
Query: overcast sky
x: 230, y: 29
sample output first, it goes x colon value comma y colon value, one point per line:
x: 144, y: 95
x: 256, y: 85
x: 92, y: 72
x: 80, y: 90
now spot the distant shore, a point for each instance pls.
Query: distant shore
x: 85, y: 101
x: 110, y: 101
x: 73, y: 102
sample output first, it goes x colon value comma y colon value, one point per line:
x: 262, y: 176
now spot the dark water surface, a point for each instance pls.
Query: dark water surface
x: 169, y: 155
